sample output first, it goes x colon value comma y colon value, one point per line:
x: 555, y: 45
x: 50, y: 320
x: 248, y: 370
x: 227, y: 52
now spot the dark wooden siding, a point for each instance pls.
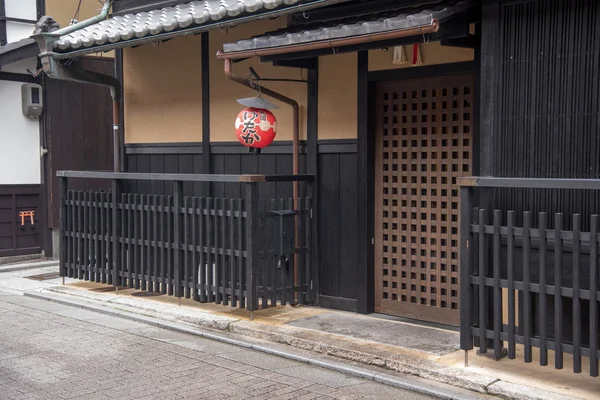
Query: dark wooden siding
x: 17, y: 239
x: 78, y: 128
x: 337, y: 188
x: 543, y: 61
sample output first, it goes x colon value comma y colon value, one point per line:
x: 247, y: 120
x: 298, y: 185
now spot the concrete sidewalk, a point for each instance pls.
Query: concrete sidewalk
x: 428, y: 352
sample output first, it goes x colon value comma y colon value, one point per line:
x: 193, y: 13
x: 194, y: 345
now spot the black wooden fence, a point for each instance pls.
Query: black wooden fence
x: 209, y: 249
x: 527, y: 280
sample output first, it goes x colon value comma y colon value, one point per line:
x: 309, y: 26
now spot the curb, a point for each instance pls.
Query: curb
x: 383, y: 378
x: 25, y: 266
x: 407, y: 365
x: 18, y: 259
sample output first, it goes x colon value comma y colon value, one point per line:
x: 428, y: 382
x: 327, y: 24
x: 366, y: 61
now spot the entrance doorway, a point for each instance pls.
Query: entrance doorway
x: 424, y: 143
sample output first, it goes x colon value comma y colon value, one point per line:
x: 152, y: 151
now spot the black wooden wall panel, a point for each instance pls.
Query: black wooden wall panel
x: 338, y: 229
x: 78, y: 129
x: 548, y: 108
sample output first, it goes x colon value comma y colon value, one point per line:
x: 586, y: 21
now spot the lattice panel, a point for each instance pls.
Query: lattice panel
x: 424, y: 145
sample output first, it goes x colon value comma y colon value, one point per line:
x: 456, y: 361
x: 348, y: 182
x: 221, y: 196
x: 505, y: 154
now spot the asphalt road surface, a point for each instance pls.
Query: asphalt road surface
x: 52, y: 351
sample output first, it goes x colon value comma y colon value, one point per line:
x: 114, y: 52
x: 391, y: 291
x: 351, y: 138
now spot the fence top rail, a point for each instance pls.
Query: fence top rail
x: 136, y: 176
x: 529, y: 183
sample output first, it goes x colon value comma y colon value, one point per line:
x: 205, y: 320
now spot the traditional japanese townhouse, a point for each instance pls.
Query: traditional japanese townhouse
x: 384, y: 108
x: 39, y: 142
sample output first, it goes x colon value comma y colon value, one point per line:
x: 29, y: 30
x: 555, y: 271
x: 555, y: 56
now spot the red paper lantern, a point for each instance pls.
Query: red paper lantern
x: 256, y: 127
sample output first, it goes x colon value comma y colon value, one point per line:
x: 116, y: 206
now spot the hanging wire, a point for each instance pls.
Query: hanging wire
x: 76, y: 12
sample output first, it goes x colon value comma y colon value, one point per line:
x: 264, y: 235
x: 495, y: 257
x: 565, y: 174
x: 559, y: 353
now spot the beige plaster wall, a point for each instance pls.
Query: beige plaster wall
x: 163, y: 92
x: 431, y: 53
x: 224, y: 93
x: 63, y: 11
x: 338, y: 99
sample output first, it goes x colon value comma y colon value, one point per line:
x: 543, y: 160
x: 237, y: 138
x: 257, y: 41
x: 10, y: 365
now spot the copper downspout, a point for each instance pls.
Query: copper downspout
x: 333, y: 43
x: 295, y: 146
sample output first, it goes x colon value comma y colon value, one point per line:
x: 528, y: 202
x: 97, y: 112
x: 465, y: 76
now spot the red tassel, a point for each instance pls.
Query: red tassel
x: 415, y: 58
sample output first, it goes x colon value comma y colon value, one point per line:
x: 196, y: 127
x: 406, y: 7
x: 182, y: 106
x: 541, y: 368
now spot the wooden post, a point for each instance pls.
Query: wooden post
x: 177, y: 204
x: 116, y: 188
x: 252, y: 241
x: 63, y: 187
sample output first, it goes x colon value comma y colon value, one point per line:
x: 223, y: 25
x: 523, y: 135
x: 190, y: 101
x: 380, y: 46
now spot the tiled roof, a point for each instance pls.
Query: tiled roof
x: 341, y: 28
x: 170, y: 19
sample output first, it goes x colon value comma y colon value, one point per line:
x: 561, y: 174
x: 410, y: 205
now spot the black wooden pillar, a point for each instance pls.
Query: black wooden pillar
x: 312, y: 156
x: 206, y: 150
x: 119, y: 76
x: 487, y: 84
x: 252, y: 245
x: 366, y: 164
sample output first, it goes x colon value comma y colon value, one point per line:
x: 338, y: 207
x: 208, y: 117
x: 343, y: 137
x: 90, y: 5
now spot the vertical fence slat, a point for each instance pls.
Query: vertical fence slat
x: 576, y: 287
x: 224, y: 247
x: 130, y: 237
x: 482, y: 291
x: 241, y: 276
x: 202, y: 233
x: 92, y: 236
x: 232, y: 275
x: 109, y: 237
x: 527, y: 317
x: 217, y: 257
x: 81, y: 229
x: 558, y: 306
x: 209, y: 255
x: 164, y: 250
x: 85, y: 210
x: 593, y: 295
x: 103, y: 240
x: 194, y: 223
x: 511, y: 285
x: 298, y: 291
x: 177, y: 239
x: 272, y: 275
x: 186, y: 253
x: 142, y: 238
x: 89, y: 236
x: 311, y: 254
x: 155, y: 285
x: 73, y: 237
x: 124, y: 242
x: 497, y: 289
x: 170, y: 247
x: 542, y: 317
x: 97, y: 238
x: 135, y: 239
x: 149, y: 247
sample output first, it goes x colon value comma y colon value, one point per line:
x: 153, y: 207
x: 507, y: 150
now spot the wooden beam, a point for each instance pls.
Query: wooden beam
x: 366, y: 164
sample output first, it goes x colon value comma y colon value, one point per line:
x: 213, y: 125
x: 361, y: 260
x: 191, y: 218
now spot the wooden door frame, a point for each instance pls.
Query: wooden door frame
x: 366, y: 158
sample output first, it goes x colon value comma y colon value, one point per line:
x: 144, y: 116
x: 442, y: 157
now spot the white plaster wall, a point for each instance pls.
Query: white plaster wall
x: 19, y: 139
x: 16, y: 31
x: 24, y: 9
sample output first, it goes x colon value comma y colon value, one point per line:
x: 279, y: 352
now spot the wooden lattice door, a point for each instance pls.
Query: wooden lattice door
x: 424, y: 142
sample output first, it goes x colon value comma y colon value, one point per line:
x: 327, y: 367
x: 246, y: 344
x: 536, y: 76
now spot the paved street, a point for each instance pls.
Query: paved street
x: 51, y: 351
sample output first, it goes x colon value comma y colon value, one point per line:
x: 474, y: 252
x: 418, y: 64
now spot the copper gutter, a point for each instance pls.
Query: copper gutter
x: 295, y: 140
x: 333, y: 43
